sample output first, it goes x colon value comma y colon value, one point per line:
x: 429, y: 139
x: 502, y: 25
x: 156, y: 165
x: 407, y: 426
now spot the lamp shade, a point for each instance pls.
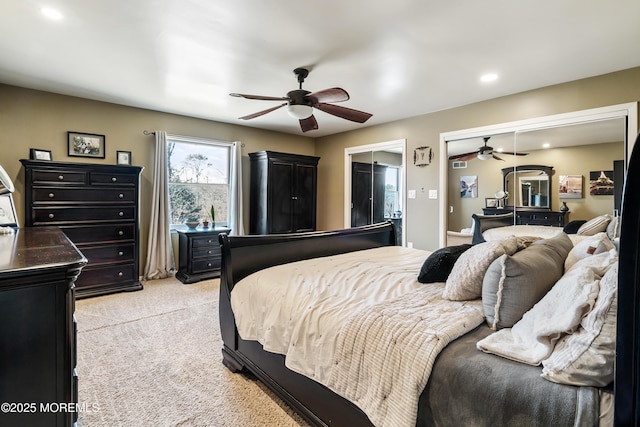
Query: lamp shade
x: 485, y: 156
x: 299, y: 111
x: 6, y: 185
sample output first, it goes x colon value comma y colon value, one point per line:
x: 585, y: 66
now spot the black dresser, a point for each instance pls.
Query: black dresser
x: 531, y: 216
x: 97, y: 206
x: 39, y: 385
x: 282, y: 193
x: 199, y: 254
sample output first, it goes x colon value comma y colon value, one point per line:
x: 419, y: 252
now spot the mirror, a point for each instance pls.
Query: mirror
x: 374, y: 178
x: 576, y: 145
x: 527, y: 186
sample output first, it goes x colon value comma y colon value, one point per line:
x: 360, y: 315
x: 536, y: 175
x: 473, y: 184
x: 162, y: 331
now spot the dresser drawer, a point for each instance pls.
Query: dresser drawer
x: 118, y: 252
x: 113, y: 178
x: 99, y: 233
x: 101, y: 276
x: 50, y: 214
x: 58, y: 177
x: 85, y: 195
x: 201, y: 266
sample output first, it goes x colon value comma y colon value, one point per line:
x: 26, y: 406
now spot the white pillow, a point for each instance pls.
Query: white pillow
x: 532, y: 338
x: 465, y: 280
x: 586, y: 357
x: 589, y: 246
x: 595, y: 225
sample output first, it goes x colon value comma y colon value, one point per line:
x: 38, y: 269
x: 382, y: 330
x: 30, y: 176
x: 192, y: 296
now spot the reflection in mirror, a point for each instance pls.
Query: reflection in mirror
x: 528, y: 186
x: 376, y: 188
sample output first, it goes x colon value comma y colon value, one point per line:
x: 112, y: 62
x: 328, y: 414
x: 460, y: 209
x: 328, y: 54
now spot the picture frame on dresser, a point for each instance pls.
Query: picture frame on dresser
x: 123, y: 157
x: 81, y: 144
x: 8, y: 217
x: 38, y: 154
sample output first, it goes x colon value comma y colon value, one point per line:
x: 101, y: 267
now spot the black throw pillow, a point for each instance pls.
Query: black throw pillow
x: 438, y: 265
x: 572, y: 227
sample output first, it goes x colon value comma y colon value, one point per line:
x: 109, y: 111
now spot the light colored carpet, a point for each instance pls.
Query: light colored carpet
x: 152, y: 358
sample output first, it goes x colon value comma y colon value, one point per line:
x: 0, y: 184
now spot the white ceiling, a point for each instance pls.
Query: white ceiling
x: 396, y: 59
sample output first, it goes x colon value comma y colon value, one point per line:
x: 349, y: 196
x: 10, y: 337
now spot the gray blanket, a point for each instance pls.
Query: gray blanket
x: 470, y: 388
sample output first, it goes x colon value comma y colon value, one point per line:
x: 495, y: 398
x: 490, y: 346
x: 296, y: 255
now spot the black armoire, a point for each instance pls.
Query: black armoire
x: 282, y: 193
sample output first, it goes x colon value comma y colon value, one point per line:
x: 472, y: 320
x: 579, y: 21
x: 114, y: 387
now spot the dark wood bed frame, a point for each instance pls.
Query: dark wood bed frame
x: 243, y: 255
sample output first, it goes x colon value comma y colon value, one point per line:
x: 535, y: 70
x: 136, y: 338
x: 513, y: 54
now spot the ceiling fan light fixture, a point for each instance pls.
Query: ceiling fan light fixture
x: 485, y: 156
x: 299, y: 111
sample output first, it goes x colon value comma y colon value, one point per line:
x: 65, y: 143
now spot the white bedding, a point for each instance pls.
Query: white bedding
x: 500, y: 233
x: 318, y: 312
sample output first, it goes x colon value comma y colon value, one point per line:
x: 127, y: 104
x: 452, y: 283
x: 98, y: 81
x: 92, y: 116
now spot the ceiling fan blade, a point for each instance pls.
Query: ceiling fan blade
x: 308, y: 124
x: 260, y: 113
x: 334, y: 94
x: 497, y: 158
x: 259, y: 97
x: 464, y: 156
x: 344, y: 112
x: 513, y: 154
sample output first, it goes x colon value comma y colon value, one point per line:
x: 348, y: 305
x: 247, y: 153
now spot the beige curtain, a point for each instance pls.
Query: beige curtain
x: 160, y: 262
x: 235, y: 199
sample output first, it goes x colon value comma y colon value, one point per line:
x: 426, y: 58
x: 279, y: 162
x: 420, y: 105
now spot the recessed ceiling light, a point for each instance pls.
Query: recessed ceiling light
x: 489, y: 77
x: 546, y: 145
x: 500, y: 150
x: 51, y: 13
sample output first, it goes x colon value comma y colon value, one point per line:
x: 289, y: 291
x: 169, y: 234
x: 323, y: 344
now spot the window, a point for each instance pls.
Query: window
x: 198, y: 179
x: 392, y: 200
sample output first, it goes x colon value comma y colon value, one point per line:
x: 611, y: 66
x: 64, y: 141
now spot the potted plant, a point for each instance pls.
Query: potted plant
x: 213, y: 216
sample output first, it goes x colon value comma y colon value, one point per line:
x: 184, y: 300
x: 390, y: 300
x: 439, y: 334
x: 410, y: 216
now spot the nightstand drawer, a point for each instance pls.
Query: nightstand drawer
x: 206, y: 242
x: 205, y: 265
x: 113, y: 179
x: 100, y: 233
x: 120, y: 252
x: 86, y: 214
x: 85, y: 195
x: 205, y: 252
x: 58, y: 177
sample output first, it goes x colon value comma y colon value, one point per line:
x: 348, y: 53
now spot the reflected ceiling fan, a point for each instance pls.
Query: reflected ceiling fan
x: 300, y: 104
x: 483, y: 153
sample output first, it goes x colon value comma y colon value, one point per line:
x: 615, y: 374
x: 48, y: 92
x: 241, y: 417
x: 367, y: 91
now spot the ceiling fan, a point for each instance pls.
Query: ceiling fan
x: 300, y: 104
x: 483, y: 153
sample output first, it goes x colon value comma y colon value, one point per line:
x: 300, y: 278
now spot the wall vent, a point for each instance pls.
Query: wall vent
x: 459, y: 165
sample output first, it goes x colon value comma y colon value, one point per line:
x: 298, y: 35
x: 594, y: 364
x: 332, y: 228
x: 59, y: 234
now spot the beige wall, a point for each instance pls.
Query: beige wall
x: 422, y: 214
x: 35, y: 119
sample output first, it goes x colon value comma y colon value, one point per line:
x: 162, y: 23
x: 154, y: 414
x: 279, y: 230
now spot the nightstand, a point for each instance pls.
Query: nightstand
x: 199, y: 253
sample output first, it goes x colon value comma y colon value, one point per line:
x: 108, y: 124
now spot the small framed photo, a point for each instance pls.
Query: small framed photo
x: 123, y: 157
x: 86, y: 144
x: 491, y: 202
x: 38, y: 154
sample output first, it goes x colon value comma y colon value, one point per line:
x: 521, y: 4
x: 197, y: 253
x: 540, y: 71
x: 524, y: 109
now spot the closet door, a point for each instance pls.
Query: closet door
x: 361, y: 181
x: 282, y: 197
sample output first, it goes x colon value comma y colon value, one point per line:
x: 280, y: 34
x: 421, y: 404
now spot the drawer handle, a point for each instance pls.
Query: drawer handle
x: 51, y: 216
x: 114, y: 179
x: 120, y: 213
x: 120, y: 274
x: 61, y: 177
x: 121, y: 196
x: 209, y: 252
x: 209, y: 241
x: 208, y: 264
x: 51, y: 195
x: 120, y: 253
x: 120, y: 233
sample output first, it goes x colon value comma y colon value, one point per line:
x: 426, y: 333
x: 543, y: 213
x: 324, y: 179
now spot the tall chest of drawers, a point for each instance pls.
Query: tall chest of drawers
x: 97, y: 207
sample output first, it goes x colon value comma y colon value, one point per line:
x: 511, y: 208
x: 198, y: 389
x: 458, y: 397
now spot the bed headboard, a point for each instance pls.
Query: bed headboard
x: 627, y: 368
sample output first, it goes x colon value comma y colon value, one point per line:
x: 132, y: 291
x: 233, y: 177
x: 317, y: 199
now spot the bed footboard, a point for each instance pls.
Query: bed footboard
x: 481, y: 223
x: 244, y: 255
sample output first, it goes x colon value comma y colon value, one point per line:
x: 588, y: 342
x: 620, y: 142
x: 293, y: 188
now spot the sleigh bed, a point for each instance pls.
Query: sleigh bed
x: 465, y: 386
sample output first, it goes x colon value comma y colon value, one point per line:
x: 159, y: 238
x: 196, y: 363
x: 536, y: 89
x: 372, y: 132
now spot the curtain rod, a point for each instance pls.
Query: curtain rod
x: 146, y: 132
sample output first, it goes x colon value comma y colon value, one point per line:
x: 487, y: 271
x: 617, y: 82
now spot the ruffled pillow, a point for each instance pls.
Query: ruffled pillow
x: 590, y: 246
x: 465, y: 280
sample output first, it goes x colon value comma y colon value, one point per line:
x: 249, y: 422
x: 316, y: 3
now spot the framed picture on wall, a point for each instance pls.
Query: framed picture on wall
x: 468, y: 187
x: 86, y: 144
x: 570, y: 187
x: 601, y: 183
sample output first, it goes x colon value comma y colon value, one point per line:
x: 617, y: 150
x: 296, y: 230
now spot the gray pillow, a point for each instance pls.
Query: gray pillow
x: 513, y: 284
